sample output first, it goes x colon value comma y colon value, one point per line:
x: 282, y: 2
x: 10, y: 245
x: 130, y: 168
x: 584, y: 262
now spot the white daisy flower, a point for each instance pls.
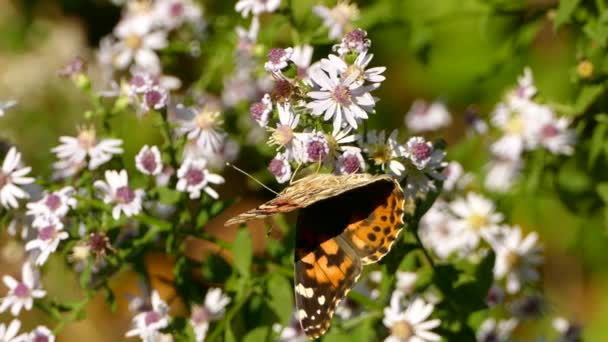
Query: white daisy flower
x: 411, y: 325
x: 75, y: 150
x: 137, y: 42
x: 21, y: 294
x: 280, y: 168
x: 513, y: 125
x: 502, y: 174
x: 284, y: 136
x: 260, y: 111
x: 339, y: 66
x: 116, y: 190
x: 455, y: 177
x: 493, y: 331
x: 427, y: 117
x: 174, y: 13
x: 406, y: 282
x: 9, y: 333
x: 256, y: 7
x: 438, y: 234
x: 355, y: 41
x: 56, y: 203
x: 551, y: 133
x: 11, y: 176
x: 384, y: 151
x: 343, y: 100
x: 148, y: 161
x: 569, y: 331
x: 351, y: 161
x: 473, y: 215
x: 201, y: 125
x: 39, y: 334
x: 516, y: 257
x: 193, y: 177
x: 50, y: 235
x: 6, y: 105
x: 147, y: 324
x: 316, y: 148
x: 278, y: 59
x: 337, y: 19
x: 212, y: 310
x: 423, y: 166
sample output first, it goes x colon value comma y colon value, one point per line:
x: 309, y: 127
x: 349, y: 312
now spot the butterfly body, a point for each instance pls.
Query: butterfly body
x: 344, y: 223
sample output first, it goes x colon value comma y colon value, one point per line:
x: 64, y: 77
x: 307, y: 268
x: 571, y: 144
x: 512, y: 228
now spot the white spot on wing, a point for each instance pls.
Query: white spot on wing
x: 321, y: 300
x: 304, y: 291
x: 302, y: 314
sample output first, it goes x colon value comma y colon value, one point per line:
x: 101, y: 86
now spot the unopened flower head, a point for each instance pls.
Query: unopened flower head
x: 315, y: 148
x: 12, y: 175
x: 355, y: 41
x: 278, y: 59
x: 148, y: 161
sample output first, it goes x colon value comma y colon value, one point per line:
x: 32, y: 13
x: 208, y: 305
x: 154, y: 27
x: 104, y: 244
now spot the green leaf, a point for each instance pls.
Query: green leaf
x: 565, y: 10
x: 168, y: 196
x: 242, y: 252
x: 281, y: 298
x: 586, y: 97
x: 257, y: 334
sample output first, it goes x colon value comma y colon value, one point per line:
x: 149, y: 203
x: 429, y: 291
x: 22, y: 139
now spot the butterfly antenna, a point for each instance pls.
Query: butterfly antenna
x: 293, y: 175
x: 252, y: 178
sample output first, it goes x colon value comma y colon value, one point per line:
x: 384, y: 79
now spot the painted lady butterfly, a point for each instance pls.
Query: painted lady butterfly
x: 345, y: 222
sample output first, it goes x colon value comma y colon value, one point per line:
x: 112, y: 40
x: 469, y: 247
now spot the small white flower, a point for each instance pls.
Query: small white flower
x: 424, y: 117
x: 423, y: 167
x: 9, y: 333
x: 74, y: 150
x: 411, y: 325
x: 40, y: 334
x: 193, y: 177
x: 212, y: 310
x: 260, y: 111
x: 56, y: 203
x: 355, y: 41
x: 406, y: 282
x: 12, y: 175
x: 551, y: 133
x: 438, y: 234
x: 148, y: 161
x: 202, y: 126
x: 147, y: 324
x: 278, y: 59
x: 256, y: 7
x: 6, y: 105
x: 342, y: 100
x: 358, y: 67
x: 116, y: 190
x: 337, y: 19
x: 492, y: 331
x: 280, y: 168
x: 569, y: 331
x: 525, y: 86
x: 516, y: 258
x: 351, y: 161
x: 284, y: 136
x: 384, y: 151
x: 154, y: 98
x: 174, y: 13
x: 21, y: 294
x: 455, y: 177
x: 315, y: 148
x: 138, y: 41
x: 473, y: 215
x: 50, y: 234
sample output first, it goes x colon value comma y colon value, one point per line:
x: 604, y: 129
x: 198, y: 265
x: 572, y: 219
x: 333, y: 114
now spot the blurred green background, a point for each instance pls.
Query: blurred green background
x: 463, y: 52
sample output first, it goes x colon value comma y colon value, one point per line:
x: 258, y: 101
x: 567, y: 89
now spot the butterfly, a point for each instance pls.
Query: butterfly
x: 344, y: 223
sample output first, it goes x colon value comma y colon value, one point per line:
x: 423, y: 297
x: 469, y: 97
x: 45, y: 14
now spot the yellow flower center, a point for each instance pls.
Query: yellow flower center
x: 402, y: 330
x: 281, y: 136
x: 207, y: 119
x: 344, y: 13
x: 380, y: 154
x: 513, y: 260
x: 515, y: 125
x: 133, y: 41
x: 477, y: 221
x: 87, y: 138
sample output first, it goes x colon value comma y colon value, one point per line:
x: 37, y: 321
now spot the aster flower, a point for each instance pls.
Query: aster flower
x: 116, y: 190
x: 315, y: 148
x: 280, y: 168
x: 39, y: 334
x: 516, y: 258
x: 283, y: 135
x: 201, y: 125
x: 11, y: 176
x: 138, y: 42
x: 56, y: 203
x: 154, y: 98
x: 343, y: 100
x: 455, y: 177
x: 406, y: 282
x: 193, y: 177
x: 351, y: 161
x: 260, y: 111
x: 256, y: 7
x: 427, y: 117
x: 568, y: 331
x: 439, y: 234
x: 337, y: 19
x: 278, y: 59
x: 355, y: 41
x: 174, y: 13
x: 473, y: 215
x: 384, y: 151
x: 502, y: 174
x: 493, y: 331
x: 9, y: 333
x: 21, y: 294
x: 50, y: 234
x: 147, y: 324
x: 75, y: 150
x: 212, y: 310
x: 148, y: 161
x: 358, y: 67
x: 412, y: 324
x: 551, y: 133
x: 6, y: 105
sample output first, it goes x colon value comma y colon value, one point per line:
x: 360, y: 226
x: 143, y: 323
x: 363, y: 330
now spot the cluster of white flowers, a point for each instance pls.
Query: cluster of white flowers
x: 525, y: 125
